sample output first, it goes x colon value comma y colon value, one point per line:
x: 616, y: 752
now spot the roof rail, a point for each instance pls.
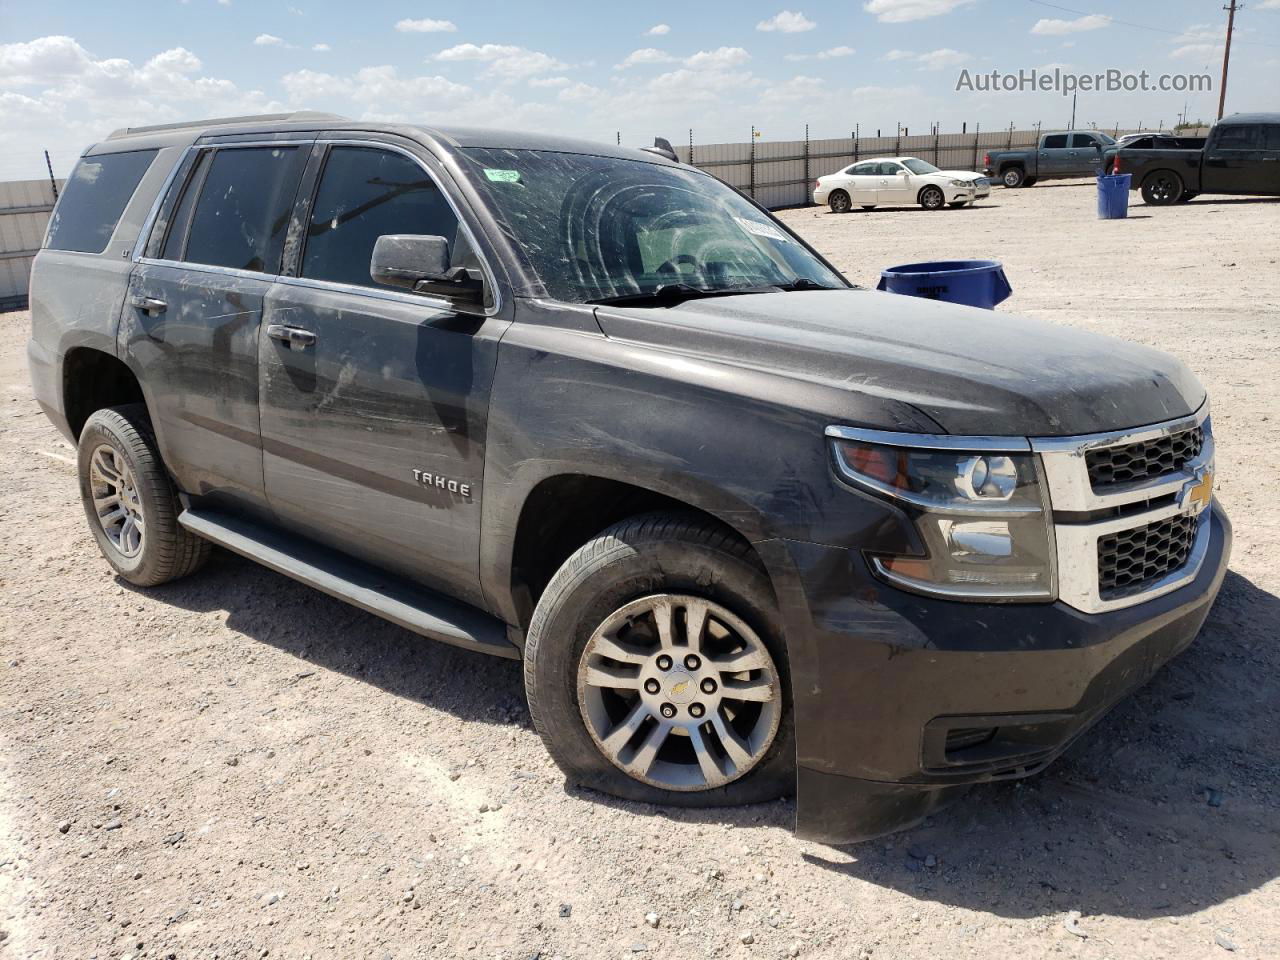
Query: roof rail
x: 297, y: 115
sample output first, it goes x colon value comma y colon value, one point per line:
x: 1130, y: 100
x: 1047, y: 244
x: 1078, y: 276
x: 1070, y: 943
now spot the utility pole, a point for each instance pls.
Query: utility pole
x: 1226, y: 55
x: 1073, y: 112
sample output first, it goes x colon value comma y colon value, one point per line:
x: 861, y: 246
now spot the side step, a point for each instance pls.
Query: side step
x: 383, y: 594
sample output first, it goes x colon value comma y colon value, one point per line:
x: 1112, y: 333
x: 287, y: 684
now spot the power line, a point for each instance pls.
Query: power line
x: 1137, y: 26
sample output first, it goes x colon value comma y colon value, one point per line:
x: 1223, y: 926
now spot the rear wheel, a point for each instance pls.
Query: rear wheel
x: 839, y: 202
x: 1013, y: 177
x: 655, y: 670
x: 1162, y: 188
x: 130, y: 501
x: 932, y: 198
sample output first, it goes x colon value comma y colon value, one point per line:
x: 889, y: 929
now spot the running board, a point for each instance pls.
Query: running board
x: 383, y: 594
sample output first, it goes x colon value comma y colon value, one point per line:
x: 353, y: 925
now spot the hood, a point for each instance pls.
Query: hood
x: 974, y: 372
x: 961, y: 174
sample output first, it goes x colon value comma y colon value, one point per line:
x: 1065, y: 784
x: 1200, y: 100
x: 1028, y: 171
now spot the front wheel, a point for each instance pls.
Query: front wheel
x: 130, y: 501
x: 839, y: 202
x: 1162, y: 188
x: 655, y: 669
x: 932, y: 198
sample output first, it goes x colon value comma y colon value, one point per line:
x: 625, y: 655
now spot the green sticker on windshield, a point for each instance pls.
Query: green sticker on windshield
x: 502, y: 176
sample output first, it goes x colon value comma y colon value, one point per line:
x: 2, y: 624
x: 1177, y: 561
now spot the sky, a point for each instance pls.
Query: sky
x: 73, y: 70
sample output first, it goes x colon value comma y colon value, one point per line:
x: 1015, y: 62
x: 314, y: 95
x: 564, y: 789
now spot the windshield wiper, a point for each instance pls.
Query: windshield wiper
x: 676, y: 293
x: 804, y: 283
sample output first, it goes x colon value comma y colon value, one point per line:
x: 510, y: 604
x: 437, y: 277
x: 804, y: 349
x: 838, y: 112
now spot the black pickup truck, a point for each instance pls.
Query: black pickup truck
x: 751, y: 530
x: 1240, y: 156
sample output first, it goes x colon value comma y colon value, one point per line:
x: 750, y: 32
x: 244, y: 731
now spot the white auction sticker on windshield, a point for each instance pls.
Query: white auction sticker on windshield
x: 763, y: 229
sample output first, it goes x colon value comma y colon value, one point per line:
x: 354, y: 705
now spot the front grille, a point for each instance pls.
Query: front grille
x: 1146, y: 460
x: 1129, y: 561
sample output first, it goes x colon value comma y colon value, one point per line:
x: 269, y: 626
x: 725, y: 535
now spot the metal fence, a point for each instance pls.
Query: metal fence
x: 25, y: 206
x: 781, y: 173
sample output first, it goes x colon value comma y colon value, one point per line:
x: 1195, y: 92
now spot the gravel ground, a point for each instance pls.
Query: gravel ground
x: 237, y: 766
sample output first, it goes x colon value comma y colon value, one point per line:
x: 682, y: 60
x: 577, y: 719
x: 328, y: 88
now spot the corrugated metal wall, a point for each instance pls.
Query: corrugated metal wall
x: 25, y: 206
x: 781, y: 173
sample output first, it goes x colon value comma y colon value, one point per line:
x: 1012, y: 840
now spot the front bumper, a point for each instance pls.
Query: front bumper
x: 903, y: 700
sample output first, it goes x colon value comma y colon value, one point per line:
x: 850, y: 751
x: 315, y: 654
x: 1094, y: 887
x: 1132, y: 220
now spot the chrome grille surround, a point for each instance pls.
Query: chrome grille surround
x: 1071, y: 491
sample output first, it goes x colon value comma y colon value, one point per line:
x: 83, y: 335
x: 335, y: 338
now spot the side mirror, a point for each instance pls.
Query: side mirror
x: 421, y: 264
x: 906, y: 173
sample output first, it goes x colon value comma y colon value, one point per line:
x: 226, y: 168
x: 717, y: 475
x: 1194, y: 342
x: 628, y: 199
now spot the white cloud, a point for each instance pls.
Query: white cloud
x: 719, y: 59
x: 899, y: 55
x: 267, y: 40
x: 373, y: 85
x: 941, y: 59
x: 904, y: 11
x: 800, y: 88
x: 504, y: 60
x: 788, y: 21
x: 1057, y: 28
x: 658, y: 30
x: 831, y: 54
x: 646, y: 55
x: 579, y: 92
x: 426, y: 26
x: 321, y: 47
x: 1197, y: 41
x: 548, y: 81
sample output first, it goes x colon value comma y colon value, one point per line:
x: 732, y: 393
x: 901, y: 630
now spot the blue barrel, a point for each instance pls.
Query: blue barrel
x: 975, y: 283
x: 1113, y: 196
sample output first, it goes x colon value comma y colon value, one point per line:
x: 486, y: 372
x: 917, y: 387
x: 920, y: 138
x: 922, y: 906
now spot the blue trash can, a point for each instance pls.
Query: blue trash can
x: 975, y: 283
x: 1113, y: 196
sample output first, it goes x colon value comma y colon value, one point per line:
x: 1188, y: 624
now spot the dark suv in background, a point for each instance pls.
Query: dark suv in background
x: 751, y: 529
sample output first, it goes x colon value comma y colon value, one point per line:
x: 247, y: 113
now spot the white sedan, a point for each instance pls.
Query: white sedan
x: 897, y: 181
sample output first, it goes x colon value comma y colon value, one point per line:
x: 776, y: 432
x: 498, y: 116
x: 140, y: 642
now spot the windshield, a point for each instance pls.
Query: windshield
x: 1106, y: 139
x: 596, y: 228
x: 919, y: 166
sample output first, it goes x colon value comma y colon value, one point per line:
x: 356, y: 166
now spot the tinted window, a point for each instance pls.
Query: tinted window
x: 181, y: 219
x: 366, y: 193
x: 889, y: 169
x: 1239, y: 136
x: 1083, y: 140
x: 1271, y: 136
x: 94, y: 198
x: 243, y: 212
x: 865, y: 169
x: 1055, y: 141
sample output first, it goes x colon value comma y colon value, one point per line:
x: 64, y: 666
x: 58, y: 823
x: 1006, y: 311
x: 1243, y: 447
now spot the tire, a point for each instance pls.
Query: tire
x: 839, y: 201
x: 117, y: 463
x: 1162, y: 188
x: 635, y: 563
x: 932, y: 198
x: 1013, y: 177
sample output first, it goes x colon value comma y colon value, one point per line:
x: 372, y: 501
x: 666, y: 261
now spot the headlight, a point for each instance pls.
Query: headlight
x: 982, y: 515
x: 961, y: 183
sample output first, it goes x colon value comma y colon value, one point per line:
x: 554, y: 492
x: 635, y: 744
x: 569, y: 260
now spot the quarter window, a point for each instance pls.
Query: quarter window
x: 94, y: 199
x: 242, y: 215
x: 366, y: 193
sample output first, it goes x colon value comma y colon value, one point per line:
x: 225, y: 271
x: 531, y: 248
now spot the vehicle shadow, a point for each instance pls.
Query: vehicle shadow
x: 333, y: 635
x: 1219, y: 201
x: 1167, y: 806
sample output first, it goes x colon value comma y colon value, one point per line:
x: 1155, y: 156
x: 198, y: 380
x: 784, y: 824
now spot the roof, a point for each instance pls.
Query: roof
x: 449, y: 138
x: 1250, y: 118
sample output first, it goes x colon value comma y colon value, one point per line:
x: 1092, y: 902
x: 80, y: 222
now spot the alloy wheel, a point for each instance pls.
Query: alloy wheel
x: 679, y: 693
x: 116, y: 501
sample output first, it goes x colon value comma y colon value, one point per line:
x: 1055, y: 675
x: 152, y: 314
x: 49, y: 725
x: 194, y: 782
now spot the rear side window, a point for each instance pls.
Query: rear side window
x: 94, y: 198
x: 366, y: 193
x: 1055, y: 142
x: 242, y: 214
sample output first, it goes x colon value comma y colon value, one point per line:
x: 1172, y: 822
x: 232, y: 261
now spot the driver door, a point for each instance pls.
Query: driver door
x: 374, y: 398
x: 895, y: 184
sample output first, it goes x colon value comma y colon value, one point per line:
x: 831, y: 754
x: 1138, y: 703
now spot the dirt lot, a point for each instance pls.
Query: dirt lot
x: 236, y: 766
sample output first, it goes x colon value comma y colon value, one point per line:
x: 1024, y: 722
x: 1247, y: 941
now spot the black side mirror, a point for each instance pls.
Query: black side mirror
x: 421, y: 264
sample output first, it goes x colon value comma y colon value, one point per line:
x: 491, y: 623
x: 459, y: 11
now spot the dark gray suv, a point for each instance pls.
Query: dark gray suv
x: 751, y: 530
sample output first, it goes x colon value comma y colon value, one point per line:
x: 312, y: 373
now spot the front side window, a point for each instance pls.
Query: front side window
x: 242, y: 213
x: 594, y: 228
x: 889, y: 169
x: 1083, y: 140
x: 366, y: 193
x: 1239, y: 136
x: 94, y: 199
x: 920, y: 167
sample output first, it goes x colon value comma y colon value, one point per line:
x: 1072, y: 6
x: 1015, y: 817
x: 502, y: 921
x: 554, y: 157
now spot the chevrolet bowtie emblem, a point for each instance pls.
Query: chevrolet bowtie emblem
x: 1197, y: 493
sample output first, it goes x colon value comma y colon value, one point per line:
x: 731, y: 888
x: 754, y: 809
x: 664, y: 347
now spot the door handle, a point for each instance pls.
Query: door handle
x: 295, y: 337
x: 149, y: 304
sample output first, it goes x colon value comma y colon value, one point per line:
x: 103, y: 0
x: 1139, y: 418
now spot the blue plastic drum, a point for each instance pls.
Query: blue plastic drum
x: 1113, y: 196
x: 975, y: 283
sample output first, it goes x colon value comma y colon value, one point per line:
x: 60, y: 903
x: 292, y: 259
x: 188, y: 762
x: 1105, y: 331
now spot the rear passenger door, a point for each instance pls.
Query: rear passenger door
x: 374, y: 399
x: 863, y: 178
x: 194, y: 307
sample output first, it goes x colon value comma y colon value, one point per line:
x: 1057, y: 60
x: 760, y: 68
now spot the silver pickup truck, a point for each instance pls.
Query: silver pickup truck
x: 1058, y: 156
